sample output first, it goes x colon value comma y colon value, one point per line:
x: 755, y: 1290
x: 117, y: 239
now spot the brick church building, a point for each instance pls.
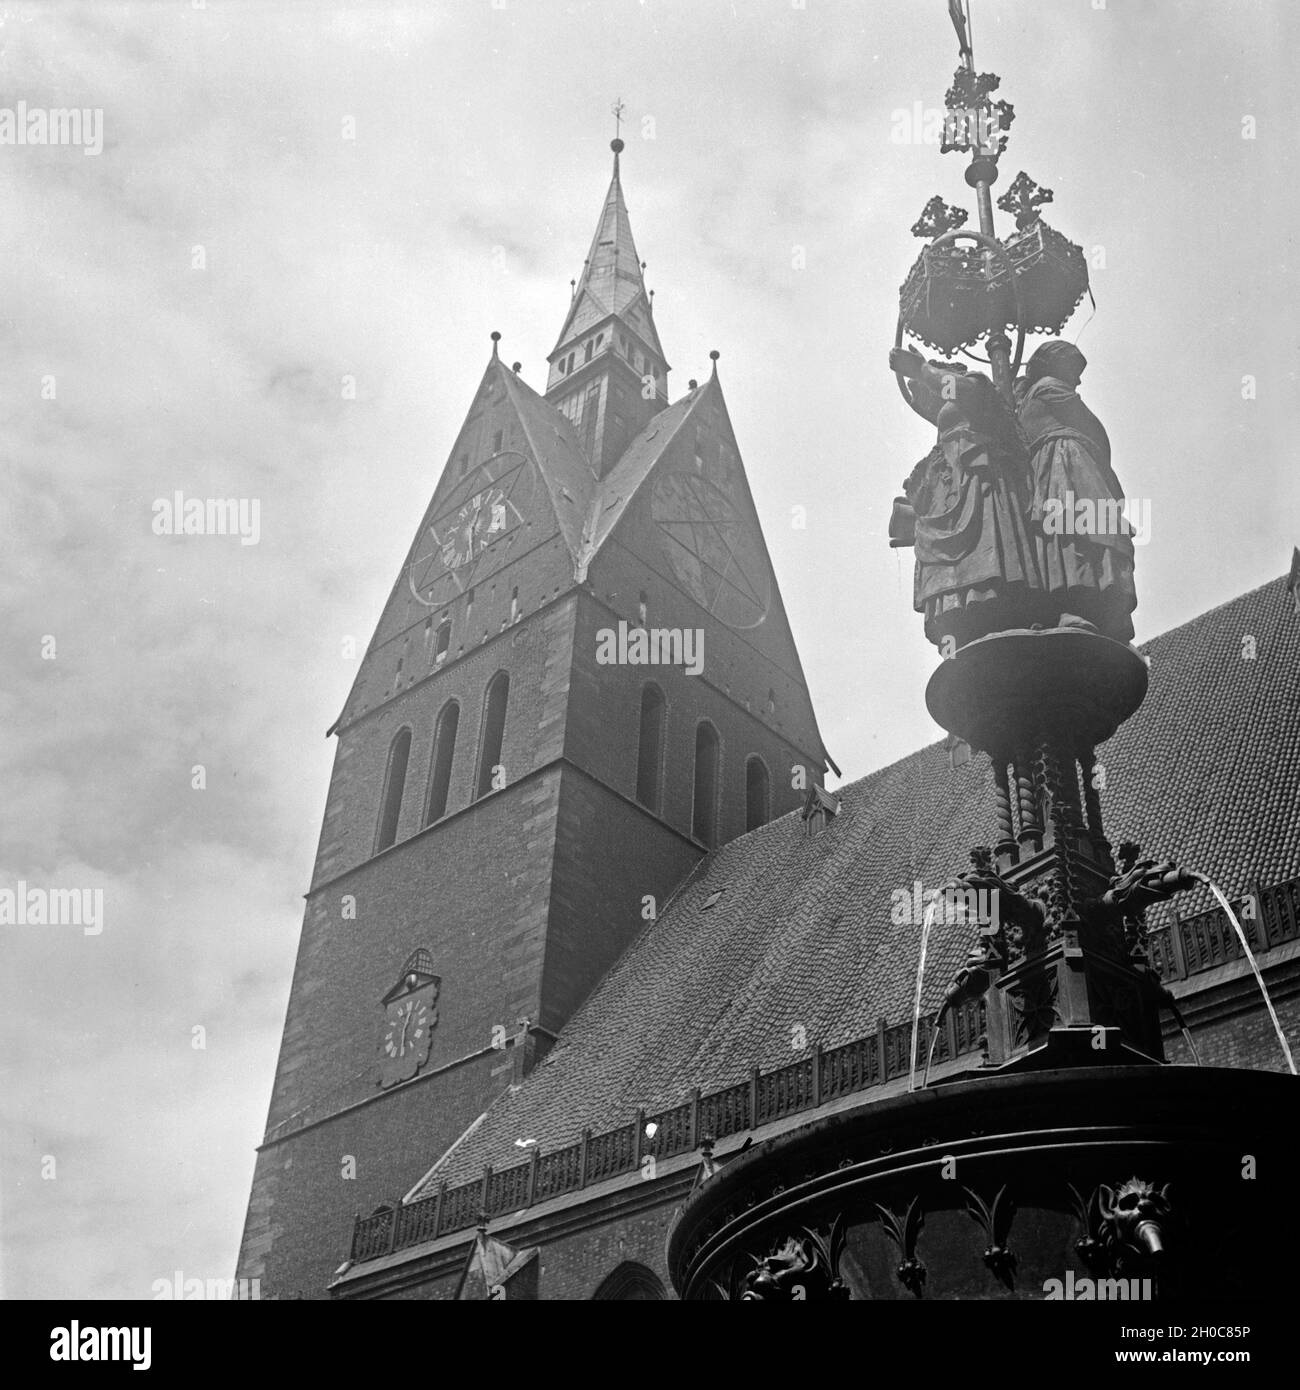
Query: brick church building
x: 583, y: 923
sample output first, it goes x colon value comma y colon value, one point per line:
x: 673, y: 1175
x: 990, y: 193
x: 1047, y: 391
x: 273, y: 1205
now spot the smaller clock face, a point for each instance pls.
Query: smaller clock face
x: 406, y: 1028
x: 472, y: 535
x: 406, y: 1035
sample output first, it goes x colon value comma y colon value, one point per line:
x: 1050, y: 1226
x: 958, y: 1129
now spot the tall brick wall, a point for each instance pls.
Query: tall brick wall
x: 753, y: 666
x: 604, y: 725
x: 609, y: 855
x: 536, y: 653
x: 305, y: 1197
x: 541, y: 570
x: 1228, y: 1021
x: 484, y: 921
x: 474, y: 889
x: 575, y: 1266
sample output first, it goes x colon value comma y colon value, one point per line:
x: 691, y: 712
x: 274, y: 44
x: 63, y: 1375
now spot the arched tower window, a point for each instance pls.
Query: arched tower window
x: 629, y: 1282
x: 494, y: 727
x: 650, y: 749
x: 704, y: 813
x: 399, y: 755
x: 757, y: 793
x: 444, y: 750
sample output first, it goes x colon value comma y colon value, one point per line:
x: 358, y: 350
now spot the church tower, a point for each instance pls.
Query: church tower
x: 582, y: 680
x: 608, y: 375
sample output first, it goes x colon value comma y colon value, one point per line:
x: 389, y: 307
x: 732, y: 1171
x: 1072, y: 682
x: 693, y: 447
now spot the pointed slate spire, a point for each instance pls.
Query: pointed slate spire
x: 611, y: 281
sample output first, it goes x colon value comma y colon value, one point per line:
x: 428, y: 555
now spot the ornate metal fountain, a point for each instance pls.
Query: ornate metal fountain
x: 1074, y: 1154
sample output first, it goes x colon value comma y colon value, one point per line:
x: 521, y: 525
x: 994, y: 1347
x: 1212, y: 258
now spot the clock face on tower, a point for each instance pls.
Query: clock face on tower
x: 712, y: 546
x: 407, y: 1031
x: 474, y: 531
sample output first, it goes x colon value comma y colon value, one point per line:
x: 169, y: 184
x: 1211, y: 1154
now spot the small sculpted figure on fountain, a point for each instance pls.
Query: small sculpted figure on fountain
x: 1082, y: 535
x: 965, y: 509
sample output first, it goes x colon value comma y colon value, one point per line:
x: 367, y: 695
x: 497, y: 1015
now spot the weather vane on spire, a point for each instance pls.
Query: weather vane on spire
x: 616, y: 144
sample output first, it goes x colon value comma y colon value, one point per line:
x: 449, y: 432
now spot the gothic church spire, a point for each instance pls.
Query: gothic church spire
x: 608, y: 373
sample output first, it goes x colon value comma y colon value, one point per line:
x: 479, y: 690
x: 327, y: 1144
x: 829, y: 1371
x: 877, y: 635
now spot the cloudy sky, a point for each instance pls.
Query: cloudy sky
x: 289, y: 195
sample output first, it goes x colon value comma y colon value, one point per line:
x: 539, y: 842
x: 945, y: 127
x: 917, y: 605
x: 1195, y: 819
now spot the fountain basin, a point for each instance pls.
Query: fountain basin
x: 993, y: 1188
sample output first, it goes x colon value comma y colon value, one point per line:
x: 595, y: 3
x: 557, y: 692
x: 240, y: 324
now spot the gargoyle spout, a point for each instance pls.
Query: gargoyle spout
x: 1149, y: 1237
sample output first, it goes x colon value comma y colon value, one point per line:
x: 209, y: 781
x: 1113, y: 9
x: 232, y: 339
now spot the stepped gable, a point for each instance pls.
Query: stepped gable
x: 1207, y: 772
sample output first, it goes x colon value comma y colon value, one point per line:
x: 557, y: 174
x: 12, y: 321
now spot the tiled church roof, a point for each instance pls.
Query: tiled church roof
x: 1207, y: 772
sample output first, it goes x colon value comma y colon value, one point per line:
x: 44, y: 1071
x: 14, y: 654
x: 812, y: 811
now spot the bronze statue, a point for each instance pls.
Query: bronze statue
x: 1081, y: 531
x: 965, y: 509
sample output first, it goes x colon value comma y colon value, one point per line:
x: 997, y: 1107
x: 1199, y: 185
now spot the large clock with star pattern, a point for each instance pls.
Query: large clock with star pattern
x: 474, y: 531
x: 712, y: 545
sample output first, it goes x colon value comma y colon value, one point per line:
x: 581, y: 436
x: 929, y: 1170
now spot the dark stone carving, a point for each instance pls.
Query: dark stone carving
x: 904, y: 1231
x: 995, y: 1221
x: 1033, y: 1007
x: 1134, y: 1220
x: 1122, y: 1229
x: 1020, y: 928
x: 1143, y: 882
x: 1089, y: 1247
x: 803, y: 1268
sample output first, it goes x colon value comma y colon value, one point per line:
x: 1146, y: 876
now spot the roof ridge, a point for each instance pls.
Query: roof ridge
x: 526, y: 401
x: 621, y: 478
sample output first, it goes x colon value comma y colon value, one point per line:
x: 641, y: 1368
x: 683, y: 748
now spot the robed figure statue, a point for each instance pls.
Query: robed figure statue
x: 1083, y: 539
x: 965, y: 509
